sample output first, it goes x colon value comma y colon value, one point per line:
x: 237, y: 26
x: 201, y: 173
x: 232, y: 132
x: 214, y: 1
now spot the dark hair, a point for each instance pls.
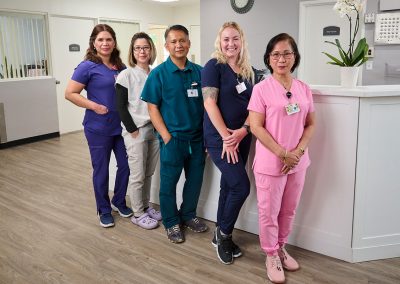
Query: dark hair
x: 271, y: 46
x: 175, y: 28
x: 153, y: 53
x: 91, y: 53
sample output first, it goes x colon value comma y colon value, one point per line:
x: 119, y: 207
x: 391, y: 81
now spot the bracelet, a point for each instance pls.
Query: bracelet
x: 247, y: 127
x: 301, y: 150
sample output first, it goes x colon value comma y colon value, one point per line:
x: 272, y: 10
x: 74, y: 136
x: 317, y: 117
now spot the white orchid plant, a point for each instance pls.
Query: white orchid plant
x: 355, y: 55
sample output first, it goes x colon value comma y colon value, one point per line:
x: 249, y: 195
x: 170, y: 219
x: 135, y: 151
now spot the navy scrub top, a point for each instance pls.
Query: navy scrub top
x: 231, y: 104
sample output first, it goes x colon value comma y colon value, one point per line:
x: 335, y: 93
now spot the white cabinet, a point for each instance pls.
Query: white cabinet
x: 349, y: 208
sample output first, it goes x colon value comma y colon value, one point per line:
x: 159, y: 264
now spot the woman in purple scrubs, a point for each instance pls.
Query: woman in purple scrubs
x: 102, y: 125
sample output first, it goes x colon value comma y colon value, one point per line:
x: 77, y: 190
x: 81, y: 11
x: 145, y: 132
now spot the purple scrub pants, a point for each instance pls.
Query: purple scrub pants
x: 100, y: 152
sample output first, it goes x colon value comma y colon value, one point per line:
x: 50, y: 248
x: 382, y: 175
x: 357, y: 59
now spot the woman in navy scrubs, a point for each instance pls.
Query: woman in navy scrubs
x: 227, y: 81
x: 102, y: 125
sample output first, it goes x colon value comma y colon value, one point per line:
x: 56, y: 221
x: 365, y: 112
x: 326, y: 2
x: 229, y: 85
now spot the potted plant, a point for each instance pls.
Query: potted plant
x: 355, y: 55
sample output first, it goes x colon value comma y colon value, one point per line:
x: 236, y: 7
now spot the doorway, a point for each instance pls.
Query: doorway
x: 314, y: 16
x: 64, y: 32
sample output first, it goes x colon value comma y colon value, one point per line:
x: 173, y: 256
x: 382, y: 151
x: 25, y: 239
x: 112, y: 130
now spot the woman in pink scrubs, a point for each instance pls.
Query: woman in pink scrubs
x: 283, y: 120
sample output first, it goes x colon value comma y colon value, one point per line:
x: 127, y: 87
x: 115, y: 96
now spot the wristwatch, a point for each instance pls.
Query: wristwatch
x: 247, y: 127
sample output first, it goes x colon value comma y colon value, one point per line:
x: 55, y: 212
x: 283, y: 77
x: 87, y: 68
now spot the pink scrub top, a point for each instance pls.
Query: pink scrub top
x: 269, y: 98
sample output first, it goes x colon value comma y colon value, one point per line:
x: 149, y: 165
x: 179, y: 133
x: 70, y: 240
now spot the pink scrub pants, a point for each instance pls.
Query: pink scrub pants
x: 277, y: 199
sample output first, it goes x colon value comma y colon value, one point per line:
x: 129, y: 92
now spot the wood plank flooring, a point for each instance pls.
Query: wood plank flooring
x: 49, y: 233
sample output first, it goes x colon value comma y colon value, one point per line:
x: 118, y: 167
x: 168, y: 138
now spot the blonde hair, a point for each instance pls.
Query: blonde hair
x: 246, y: 71
x: 153, y: 52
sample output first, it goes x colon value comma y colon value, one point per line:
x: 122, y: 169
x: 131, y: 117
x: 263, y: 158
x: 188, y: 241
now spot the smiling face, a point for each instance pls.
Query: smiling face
x: 104, y: 44
x: 231, y: 43
x: 177, y: 43
x: 282, y: 58
x: 142, y: 51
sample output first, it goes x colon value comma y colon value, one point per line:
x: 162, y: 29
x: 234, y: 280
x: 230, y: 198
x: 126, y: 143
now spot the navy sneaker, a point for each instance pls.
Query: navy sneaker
x: 123, y: 211
x: 235, y: 248
x: 106, y: 220
x: 224, y: 247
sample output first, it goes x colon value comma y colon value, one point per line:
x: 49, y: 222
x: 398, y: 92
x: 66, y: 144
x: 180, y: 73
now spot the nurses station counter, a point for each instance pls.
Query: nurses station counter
x: 350, y: 207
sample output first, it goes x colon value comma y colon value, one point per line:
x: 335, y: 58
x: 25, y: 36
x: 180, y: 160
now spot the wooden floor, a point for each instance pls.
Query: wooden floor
x: 49, y: 233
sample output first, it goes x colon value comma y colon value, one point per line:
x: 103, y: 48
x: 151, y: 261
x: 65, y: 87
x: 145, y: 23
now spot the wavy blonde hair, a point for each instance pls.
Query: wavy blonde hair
x: 246, y: 71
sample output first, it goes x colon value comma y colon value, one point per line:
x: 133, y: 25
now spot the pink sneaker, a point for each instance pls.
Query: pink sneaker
x: 145, y: 222
x: 274, y: 269
x: 153, y: 213
x: 288, y: 262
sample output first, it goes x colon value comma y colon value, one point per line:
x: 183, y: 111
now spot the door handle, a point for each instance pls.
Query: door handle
x: 58, y: 82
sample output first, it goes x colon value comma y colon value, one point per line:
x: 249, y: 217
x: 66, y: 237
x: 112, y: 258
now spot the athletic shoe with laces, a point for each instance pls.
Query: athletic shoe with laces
x: 235, y: 248
x: 288, y: 262
x: 224, y: 247
x: 195, y: 225
x: 274, y: 269
x: 106, y: 220
x: 174, y: 234
x: 123, y: 211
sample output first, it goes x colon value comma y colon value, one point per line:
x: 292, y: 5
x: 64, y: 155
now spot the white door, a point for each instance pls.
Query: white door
x: 63, y: 32
x: 195, y: 44
x: 156, y: 32
x: 314, y: 16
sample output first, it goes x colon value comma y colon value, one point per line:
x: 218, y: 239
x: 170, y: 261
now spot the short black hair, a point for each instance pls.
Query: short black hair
x: 271, y: 46
x: 175, y: 28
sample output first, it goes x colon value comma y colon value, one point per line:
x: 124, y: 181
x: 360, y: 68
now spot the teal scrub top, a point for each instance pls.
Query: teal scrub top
x: 167, y: 87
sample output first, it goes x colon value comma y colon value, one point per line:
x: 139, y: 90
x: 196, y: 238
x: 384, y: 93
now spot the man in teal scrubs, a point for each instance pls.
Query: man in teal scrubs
x: 175, y: 102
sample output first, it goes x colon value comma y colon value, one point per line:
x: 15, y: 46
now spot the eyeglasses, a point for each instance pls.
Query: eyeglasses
x: 139, y: 48
x: 277, y: 55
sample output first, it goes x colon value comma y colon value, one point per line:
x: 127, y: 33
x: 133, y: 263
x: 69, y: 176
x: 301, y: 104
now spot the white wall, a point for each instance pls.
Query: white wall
x: 189, y: 16
x: 265, y: 20
x: 133, y: 10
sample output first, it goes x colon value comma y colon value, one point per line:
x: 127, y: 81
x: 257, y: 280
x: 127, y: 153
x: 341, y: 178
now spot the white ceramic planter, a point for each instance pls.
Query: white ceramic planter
x: 349, y: 76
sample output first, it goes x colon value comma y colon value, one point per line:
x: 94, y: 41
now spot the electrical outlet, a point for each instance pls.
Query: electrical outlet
x: 370, y: 52
x: 369, y: 65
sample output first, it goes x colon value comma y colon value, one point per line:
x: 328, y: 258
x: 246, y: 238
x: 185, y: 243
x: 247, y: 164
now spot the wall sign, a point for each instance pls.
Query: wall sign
x: 331, y: 31
x: 74, y: 47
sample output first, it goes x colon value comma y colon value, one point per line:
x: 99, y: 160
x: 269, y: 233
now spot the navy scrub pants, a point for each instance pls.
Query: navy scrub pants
x: 175, y: 156
x: 235, y: 185
x: 100, y: 152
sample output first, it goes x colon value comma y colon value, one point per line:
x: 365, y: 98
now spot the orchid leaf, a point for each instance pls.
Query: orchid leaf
x: 334, y: 59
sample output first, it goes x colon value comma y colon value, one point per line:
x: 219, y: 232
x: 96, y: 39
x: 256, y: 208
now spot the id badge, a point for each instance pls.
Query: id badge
x: 192, y: 93
x: 292, y: 108
x: 241, y: 87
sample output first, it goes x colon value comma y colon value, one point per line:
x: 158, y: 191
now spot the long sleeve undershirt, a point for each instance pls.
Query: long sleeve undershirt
x: 122, y: 107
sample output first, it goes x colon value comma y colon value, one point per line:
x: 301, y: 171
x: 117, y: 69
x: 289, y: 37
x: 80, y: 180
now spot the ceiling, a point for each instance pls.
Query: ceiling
x: 176, y: 4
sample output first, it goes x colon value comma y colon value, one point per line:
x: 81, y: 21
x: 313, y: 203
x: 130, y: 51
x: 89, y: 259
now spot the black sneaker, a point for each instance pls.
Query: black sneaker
x: 174, y: 234
x: 235, y: 248
x: 224, y: 247
x: 195, y: 225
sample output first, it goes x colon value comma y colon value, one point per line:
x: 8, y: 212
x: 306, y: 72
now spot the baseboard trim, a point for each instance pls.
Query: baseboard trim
x: 29, y: 140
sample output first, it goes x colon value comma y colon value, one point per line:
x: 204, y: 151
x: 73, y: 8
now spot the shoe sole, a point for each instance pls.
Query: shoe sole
x: 235, y: 255
x: 283, y: 281
x: 114, y: 208
x: 107, y: 225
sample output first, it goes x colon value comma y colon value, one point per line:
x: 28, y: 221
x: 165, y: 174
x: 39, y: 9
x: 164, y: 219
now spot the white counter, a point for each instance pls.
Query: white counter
x: 350, y: 203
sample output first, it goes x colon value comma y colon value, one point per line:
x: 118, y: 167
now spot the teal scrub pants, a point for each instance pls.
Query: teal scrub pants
x: 175, y: 156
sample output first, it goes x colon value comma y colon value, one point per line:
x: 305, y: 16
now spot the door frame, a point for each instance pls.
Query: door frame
x: 302, y: 28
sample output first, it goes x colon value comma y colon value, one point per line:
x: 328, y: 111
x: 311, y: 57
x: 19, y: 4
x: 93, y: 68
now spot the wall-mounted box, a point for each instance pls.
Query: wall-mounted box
x: 387, y: 5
